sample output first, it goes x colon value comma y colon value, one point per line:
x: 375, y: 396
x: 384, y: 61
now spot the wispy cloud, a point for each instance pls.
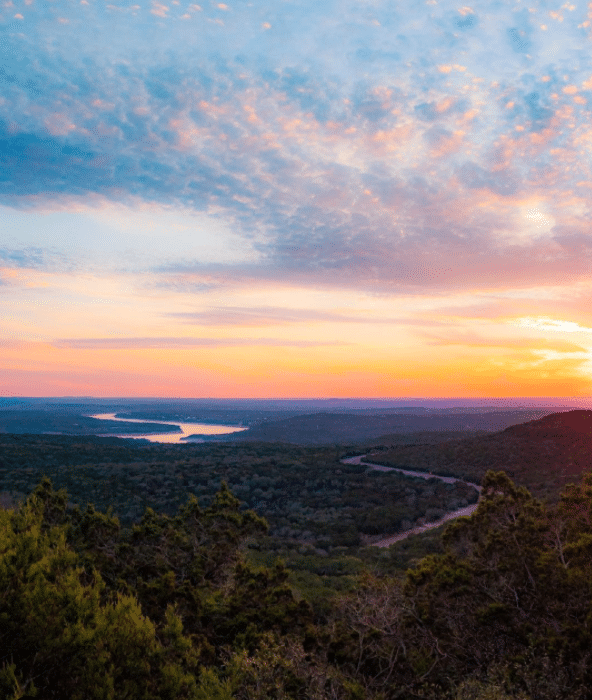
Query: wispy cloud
x: 180, y: 343
x: 275, y: 315
x: 27, y: 258
x: 551, y: 324
x: 510, y: 343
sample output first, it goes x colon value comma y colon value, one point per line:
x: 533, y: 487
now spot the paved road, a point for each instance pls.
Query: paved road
x: 387, y: 541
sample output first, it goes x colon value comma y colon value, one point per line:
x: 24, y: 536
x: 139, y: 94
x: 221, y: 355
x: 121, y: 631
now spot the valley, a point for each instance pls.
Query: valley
x: 353, y: 557
x: 391, y: 539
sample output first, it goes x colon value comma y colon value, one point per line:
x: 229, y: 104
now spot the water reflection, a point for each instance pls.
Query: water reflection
x: 172, y: 437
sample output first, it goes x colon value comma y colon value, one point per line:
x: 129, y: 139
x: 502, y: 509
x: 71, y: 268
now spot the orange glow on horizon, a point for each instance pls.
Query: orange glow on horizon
x: 39, y: 369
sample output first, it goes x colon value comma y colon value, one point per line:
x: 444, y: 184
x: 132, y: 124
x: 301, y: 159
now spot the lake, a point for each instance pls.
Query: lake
x: 186, y: 428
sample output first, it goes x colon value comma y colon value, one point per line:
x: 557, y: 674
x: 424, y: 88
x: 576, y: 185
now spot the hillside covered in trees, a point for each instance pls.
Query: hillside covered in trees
x: 170, y: 608
x: 177, y: 591
x: 543, y: 454
x: 305, y: 493
x: 320, y: 512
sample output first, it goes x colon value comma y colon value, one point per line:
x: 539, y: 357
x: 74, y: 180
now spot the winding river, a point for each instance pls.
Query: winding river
x: 391, y: 539
x: 174, y: 436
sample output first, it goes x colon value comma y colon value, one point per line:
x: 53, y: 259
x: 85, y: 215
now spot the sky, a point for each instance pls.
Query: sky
x: 380, y: 198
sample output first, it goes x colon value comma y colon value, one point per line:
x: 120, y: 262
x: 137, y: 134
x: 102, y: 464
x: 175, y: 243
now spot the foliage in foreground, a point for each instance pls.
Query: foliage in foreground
x: 170, y: 609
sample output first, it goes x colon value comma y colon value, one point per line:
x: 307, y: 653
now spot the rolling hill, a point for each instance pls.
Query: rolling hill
x: 542, y: 454
x: 350, y: 428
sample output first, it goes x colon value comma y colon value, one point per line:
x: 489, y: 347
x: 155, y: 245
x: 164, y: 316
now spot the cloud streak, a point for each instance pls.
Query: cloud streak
x: 275, y: 315
x: 181, y: 343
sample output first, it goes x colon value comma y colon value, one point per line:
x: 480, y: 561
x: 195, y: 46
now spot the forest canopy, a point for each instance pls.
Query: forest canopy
x: 170, y: 608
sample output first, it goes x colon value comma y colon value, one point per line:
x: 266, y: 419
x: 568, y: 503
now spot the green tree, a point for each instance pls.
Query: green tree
x: 58, y: 637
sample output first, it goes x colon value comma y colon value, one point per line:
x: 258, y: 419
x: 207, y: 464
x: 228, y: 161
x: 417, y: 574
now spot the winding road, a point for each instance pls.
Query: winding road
x: 391, y: 539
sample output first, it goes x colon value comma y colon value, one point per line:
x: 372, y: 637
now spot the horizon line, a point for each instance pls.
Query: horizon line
x: 413, y: 399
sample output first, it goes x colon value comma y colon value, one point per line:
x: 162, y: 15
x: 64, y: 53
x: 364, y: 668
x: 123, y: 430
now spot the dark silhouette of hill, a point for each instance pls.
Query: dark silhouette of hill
x: 340, y: 428
x: 542, y: 454
x: 569, y: 425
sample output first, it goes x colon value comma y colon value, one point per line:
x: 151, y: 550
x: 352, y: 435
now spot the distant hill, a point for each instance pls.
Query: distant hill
x: 62, y: 422
x: 349, y: 429
x: 564, y: 427
x: 542, y: 454
x: 331, y: 422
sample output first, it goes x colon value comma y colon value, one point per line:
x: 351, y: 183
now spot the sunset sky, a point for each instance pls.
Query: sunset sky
x: 378, y: 198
